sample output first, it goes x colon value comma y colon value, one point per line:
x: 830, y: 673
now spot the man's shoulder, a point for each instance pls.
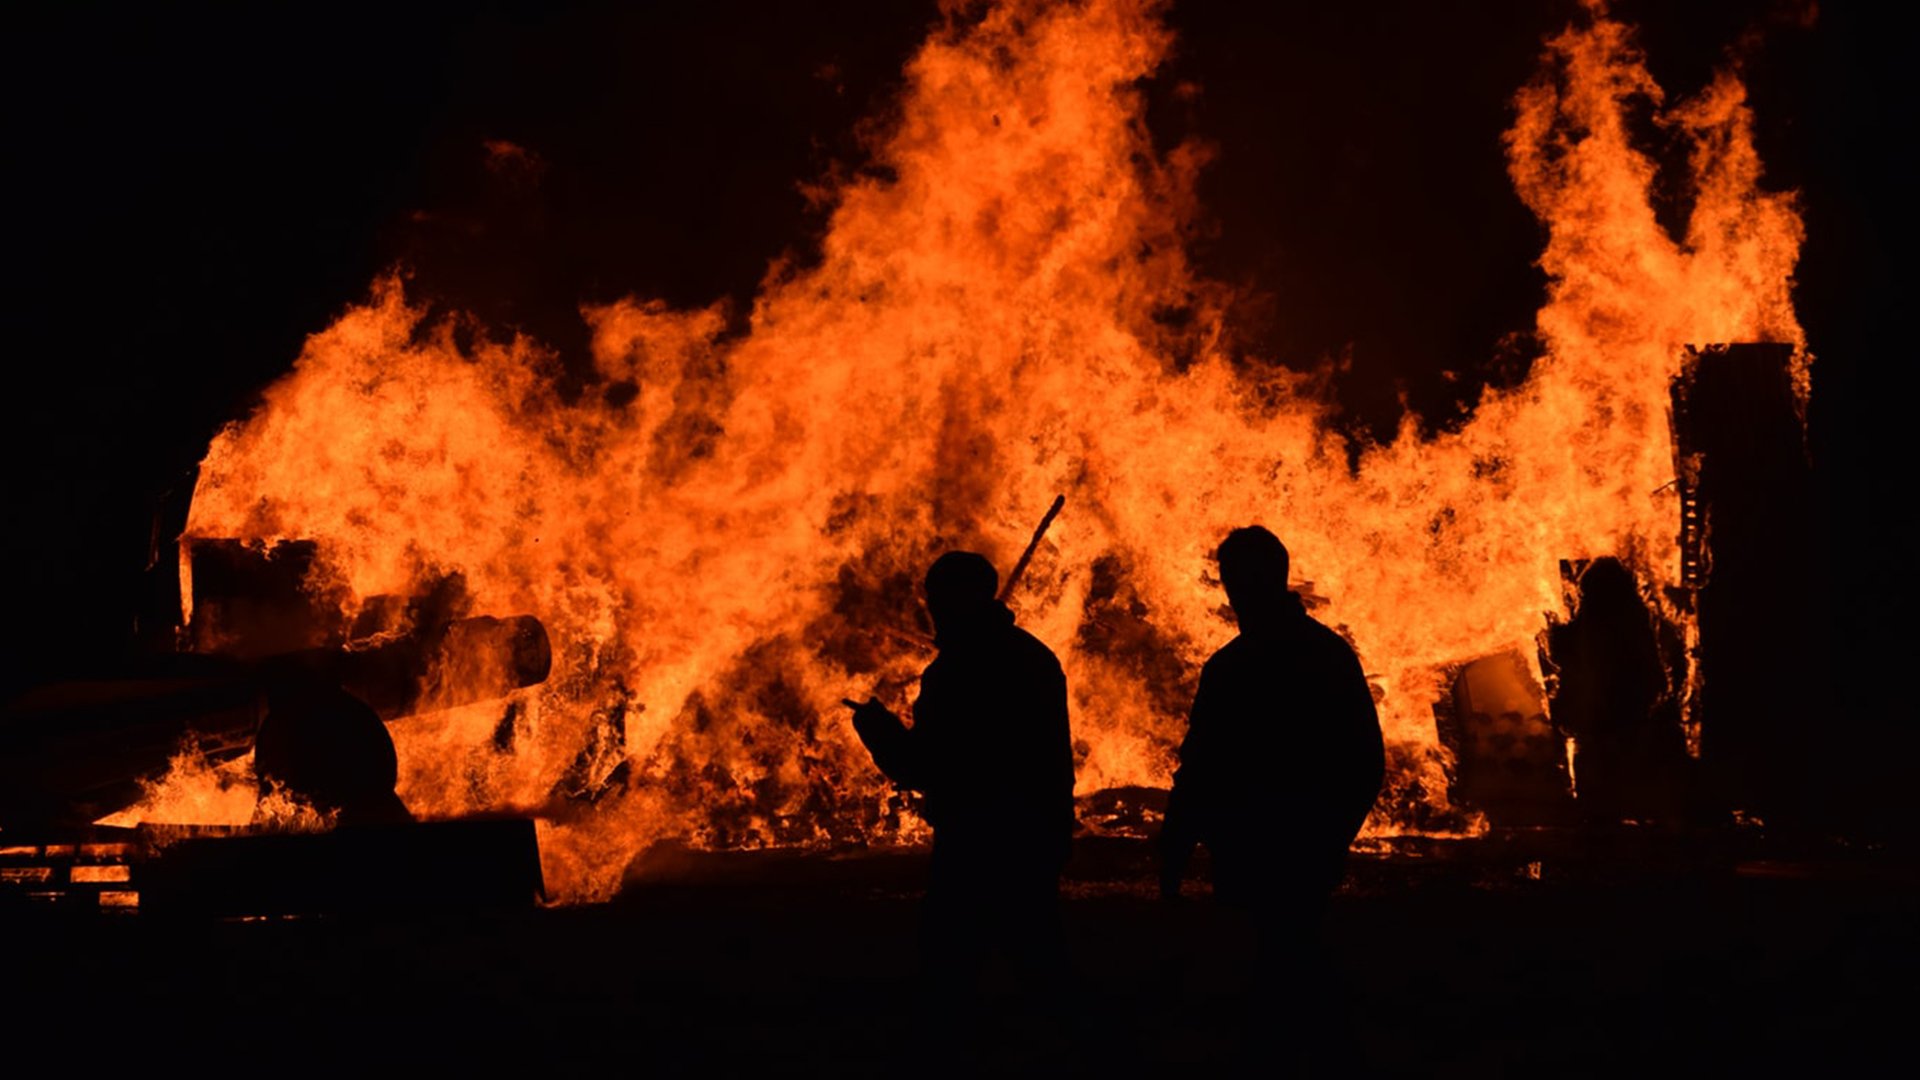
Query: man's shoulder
x: 1326, y: 637
x: 1239, y: 648
x: 1315, y: 638
x: 1030, y: 649
x: 1236, y: 659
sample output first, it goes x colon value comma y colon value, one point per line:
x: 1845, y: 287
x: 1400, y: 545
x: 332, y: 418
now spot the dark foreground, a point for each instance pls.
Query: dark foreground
x: 1531, y: 954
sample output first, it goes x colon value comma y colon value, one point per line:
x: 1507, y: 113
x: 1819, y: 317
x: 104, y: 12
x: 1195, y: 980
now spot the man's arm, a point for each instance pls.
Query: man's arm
x: 1180, y: 832
x: 894, y: 746
x: 1062, y: 738
x: 1178, y: 837
x: 1366, y: 747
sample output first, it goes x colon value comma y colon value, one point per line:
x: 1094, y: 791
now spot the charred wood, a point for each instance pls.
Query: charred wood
x: 73, y: 752
x: 1739, y: 436
x: 427, y: 866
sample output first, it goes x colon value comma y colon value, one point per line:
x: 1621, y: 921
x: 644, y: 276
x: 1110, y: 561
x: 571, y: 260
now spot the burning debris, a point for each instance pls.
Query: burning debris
x: 1510, y: 762
x: 272, y: 672
x: 282, y: 683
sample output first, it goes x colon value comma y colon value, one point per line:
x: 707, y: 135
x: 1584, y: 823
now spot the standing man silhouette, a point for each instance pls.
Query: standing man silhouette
x: 991, y: 749
x: 1613, y: 697
x: 1283, y: 757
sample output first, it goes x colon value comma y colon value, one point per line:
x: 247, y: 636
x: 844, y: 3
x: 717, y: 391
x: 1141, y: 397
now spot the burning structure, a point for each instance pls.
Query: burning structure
x: 717, y: 528
x: 613, y: 586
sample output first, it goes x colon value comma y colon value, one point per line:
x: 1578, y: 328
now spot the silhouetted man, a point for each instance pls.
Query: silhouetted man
x: 1282, y: 758
x: 1629, y: 753
x: 991, y: 749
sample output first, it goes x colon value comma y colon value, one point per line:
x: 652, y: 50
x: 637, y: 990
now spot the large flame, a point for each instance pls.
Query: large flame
x: 724, y: 554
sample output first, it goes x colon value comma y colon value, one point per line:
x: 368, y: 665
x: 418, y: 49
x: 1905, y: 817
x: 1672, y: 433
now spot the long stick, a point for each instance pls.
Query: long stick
x: 1019, y: 568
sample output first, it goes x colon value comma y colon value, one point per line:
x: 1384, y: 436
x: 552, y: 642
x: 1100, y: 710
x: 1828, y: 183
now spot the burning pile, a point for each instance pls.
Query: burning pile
x: 723, y: 535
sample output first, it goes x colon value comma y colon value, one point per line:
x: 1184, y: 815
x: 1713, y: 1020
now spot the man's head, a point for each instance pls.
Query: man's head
x: 960, y: 585
x: 1253, y: 568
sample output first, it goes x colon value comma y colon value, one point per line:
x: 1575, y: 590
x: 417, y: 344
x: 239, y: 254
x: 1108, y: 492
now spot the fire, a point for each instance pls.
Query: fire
x: 723, y: 534
x: 197, y: 791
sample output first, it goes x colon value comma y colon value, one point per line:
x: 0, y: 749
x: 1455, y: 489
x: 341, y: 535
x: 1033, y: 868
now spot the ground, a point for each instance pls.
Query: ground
x: 1554, y: 953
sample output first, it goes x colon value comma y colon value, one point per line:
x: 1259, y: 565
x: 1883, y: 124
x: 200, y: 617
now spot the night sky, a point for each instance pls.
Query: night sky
x: 196, y: 187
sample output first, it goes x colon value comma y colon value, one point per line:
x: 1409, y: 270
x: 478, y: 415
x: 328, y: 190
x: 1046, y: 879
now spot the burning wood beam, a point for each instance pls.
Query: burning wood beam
x: 73, y: 752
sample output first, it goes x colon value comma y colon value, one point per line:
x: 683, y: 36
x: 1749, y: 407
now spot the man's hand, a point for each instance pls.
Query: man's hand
x: 893, y: 745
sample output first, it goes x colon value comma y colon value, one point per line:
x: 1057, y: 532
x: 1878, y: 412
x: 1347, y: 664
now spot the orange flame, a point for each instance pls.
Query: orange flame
x: 723, y: 556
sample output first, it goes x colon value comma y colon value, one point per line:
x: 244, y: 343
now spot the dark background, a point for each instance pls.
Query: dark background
x: 196, y: 187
